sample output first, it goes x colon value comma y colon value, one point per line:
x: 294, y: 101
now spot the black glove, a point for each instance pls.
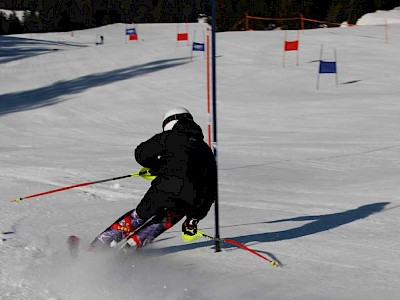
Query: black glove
x: 189, y: 227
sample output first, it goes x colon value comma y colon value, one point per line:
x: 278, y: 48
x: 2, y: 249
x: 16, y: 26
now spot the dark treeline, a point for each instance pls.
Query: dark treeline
x: 66, y: 15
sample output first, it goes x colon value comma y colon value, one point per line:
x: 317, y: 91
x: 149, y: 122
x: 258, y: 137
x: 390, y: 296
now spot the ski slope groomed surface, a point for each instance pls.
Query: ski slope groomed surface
x: 308, y: 177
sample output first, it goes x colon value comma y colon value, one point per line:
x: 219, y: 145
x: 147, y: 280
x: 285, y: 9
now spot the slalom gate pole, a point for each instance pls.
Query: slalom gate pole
x: 144, y: 173
x: 214, y: 113
x: 240, y: 245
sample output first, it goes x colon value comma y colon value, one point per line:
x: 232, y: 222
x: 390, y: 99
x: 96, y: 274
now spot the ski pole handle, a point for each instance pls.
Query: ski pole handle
x: 144, y: 173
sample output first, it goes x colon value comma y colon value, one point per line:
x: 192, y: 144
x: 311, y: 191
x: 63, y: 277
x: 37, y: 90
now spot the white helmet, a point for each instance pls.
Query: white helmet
x: 173, y: 115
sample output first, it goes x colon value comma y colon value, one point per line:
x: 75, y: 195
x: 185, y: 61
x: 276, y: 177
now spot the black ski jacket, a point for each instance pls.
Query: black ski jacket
x: 186, y: 171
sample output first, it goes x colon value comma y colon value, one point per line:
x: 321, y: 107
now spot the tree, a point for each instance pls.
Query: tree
x: 79, y: 14
x: 15, y: 25
x: 336, y: 12
x: 32, y: 22
x: 4, y: 24
x: 225, y: 18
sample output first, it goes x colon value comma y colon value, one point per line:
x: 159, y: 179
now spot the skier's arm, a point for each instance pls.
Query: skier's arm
x: 147, y: 153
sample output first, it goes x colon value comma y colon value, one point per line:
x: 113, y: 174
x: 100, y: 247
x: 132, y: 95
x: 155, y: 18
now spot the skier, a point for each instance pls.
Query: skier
x: 185, y: 185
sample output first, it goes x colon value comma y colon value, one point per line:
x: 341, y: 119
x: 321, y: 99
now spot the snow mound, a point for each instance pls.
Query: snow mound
x: 380, y: 17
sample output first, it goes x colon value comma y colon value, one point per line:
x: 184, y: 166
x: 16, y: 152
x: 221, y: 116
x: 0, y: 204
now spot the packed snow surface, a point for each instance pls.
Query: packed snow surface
x: 309, y: 177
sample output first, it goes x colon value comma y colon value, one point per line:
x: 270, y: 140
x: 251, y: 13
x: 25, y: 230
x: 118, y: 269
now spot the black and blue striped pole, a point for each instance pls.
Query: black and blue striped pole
x: 214, y: 117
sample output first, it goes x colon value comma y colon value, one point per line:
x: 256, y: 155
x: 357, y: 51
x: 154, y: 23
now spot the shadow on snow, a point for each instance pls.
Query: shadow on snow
x: 14, y: 48
x: 44, y: 96
x: 318, y: 223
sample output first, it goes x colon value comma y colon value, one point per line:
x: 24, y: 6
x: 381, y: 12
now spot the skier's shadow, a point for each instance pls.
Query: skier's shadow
x: 318, y: 223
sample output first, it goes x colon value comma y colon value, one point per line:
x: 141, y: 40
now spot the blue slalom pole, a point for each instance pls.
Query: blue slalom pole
x: 214, y: 114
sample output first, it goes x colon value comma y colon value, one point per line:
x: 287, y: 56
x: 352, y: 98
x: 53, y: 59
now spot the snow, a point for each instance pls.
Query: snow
x: 18, y: 13
x: 381, y: 17
x: 307, y: 177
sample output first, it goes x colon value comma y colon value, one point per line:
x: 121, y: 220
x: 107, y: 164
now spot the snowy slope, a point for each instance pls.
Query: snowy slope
x: 309, y: 177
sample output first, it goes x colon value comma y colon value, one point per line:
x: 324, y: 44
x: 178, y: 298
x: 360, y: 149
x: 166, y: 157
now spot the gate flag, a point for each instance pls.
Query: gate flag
x: 198, y: 46
x: 182, y: 36
x: 131, y: 32
x: 327, y: 67
x: 291, y: 45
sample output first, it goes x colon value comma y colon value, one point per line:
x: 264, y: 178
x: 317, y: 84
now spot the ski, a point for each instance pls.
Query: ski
x: 73, y: 241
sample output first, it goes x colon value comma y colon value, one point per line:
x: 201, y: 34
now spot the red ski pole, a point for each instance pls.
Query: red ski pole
x: 240, y: 245
x: 144, y: 173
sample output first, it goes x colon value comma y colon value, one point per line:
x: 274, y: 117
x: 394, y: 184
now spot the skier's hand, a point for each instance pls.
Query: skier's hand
x: 189, y: 230
x: 145, y: 173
